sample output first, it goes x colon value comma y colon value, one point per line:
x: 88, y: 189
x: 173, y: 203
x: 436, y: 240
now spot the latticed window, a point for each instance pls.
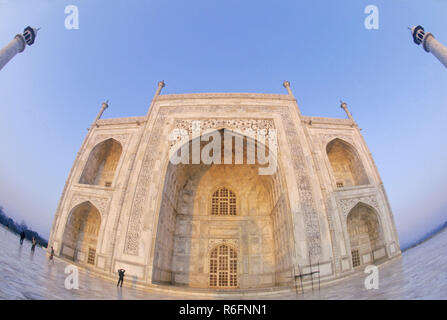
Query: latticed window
x: 223, y: 202
x: 355, y: 258
x: 91, y: 256
x: 223, y: 267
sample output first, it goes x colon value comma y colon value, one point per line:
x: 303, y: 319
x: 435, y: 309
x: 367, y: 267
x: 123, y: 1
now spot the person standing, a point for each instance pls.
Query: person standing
x: 121, y: 277
x: 33, y: 246
x: 51, y: 253
x: 22, y: 237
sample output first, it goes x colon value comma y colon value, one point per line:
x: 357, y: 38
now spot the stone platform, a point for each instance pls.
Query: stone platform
x: 421, y: 273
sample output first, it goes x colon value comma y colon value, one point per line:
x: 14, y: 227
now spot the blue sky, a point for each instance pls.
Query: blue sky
x: 50, y: 93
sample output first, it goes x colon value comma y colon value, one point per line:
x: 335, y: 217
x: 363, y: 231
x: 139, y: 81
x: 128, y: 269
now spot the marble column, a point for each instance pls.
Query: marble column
x: 17, y: 45
x: 430, y: 44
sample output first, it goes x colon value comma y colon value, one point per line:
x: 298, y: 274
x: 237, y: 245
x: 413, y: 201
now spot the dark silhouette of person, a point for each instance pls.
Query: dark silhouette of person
x: 22, y: 237
x: 33, y: 247
x: 51, y: 253
x: 121, y: 277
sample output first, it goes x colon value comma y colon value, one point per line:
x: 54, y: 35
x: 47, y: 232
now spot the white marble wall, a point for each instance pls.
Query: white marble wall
x: 311, y: 219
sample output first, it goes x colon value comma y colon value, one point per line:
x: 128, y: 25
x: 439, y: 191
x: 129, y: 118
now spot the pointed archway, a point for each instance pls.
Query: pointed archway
x: 81, y: 233
x: 347, y: 168
x: 205, y: 204
x: 365, y: 234
x: 102, y: 163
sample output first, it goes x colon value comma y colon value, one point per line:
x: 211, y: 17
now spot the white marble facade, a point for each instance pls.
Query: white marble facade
x: 126, y: 205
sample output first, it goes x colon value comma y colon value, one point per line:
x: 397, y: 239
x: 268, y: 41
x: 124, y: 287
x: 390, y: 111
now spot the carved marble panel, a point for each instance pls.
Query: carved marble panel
x: 121, y: 138
x: 326, y: 138
x: 100, y: 203
x: 346, y: 205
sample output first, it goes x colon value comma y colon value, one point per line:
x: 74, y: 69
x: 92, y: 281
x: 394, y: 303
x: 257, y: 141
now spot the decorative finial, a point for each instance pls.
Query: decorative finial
x: 344, y: 106
x: 161, y: 85
x: 286, y: 85
x: 105, y: 105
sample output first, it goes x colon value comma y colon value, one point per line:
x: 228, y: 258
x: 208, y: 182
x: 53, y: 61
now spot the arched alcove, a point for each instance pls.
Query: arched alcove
x: 101, y: 164
x: 365, y: 234
x: 347, y: 168
x: 81, y: 233
x: 257, y: 217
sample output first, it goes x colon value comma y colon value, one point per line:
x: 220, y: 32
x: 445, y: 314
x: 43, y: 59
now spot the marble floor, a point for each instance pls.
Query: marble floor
x: 421, y: 273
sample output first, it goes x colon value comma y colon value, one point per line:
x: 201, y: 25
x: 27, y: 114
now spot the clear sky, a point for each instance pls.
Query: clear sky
x: 50, y: 93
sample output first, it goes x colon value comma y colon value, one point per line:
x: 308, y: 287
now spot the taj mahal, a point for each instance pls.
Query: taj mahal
x: 284, y: 195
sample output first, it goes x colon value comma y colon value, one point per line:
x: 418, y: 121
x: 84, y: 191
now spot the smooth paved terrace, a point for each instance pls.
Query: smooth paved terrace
x: 421, y: 273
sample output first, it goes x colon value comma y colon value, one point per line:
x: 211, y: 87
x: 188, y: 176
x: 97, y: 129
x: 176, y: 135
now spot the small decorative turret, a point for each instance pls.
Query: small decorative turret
x: 104, y: 106
x: 161, y: 85
x: 286, y: 85
x: 344, y: 106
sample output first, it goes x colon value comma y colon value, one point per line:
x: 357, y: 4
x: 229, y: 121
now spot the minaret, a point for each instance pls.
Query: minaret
x: 430, y: 44
x: 17, y: 45
x: 161, y: 85
x: 286, y: 84
x: 104, y: 106
x: 344, y: 106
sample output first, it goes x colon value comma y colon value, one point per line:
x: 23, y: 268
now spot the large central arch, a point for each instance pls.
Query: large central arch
x: 257, y: 224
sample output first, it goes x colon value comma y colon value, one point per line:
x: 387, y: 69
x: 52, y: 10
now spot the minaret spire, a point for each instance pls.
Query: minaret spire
x: 17, y: 45
x: 429, y: 43
x: 344, y: 106
x: 104, y: 106
x: 286, y: 85
x: 161, y: 85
